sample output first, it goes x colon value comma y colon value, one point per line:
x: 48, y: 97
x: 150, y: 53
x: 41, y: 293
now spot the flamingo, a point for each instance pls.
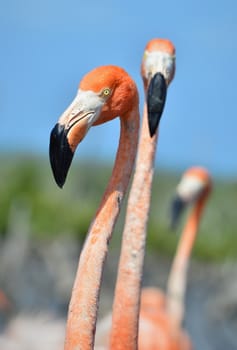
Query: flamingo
x: 161, y: 315
x: 104, y: 93
x: 194, y: 188
x: 157, y: 69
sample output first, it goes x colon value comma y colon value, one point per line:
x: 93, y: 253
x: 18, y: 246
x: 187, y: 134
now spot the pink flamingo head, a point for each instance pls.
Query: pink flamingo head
x: 195, y: 185
x: 157, y: 69
x: 104, y: 93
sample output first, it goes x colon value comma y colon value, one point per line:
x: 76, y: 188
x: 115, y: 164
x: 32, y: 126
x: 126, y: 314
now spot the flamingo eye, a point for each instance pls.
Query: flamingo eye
x: 106, y: 92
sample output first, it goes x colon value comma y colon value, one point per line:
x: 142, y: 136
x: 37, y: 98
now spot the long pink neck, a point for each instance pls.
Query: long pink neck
x: 83, y: 306
x: 177, y: 281
x: 127, y: 294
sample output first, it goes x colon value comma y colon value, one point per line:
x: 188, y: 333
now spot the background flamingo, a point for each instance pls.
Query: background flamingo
x: 161, y: 316
x: 194, y: 188
x: 103, y: 94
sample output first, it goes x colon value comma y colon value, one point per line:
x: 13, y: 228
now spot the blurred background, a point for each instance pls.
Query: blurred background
x: 46, y: 48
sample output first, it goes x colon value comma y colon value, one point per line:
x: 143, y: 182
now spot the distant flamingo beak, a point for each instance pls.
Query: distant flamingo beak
x: 156, y: 96
x: 177, y: 207
x: 60, y: 153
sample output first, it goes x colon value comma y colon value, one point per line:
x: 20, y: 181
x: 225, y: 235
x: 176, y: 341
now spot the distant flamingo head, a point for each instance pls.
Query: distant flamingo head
x: 104, y: 93
x: 195, y: 185
x: 157, y: 69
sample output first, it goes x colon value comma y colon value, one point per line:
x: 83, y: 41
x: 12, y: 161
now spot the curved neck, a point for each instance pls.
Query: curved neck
x: 83, y: 306
x: 177, y: 281
x: 127, y: 293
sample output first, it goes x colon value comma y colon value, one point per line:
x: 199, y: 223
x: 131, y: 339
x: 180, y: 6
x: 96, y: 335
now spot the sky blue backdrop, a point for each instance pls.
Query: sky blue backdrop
x: 47, y: 46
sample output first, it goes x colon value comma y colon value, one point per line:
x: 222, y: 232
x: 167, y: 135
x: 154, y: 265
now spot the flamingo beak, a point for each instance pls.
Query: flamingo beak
x: 177, y: 207
x: 60, y: 153
x: 156, y: 96
x: 64, y: 138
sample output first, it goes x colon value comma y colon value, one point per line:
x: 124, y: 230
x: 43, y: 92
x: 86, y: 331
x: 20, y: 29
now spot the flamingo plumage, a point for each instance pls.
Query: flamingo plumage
x: 104, y: 93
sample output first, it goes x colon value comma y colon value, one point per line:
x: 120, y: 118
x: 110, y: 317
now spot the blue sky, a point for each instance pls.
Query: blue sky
x: 47, y: 46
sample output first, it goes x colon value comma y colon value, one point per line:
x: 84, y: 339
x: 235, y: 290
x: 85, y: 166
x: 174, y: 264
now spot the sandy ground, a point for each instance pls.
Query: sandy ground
x: 38, y: 279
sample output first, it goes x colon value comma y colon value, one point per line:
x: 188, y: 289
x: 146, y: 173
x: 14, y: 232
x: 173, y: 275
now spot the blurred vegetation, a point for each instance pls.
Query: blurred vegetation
x: 27, y: 186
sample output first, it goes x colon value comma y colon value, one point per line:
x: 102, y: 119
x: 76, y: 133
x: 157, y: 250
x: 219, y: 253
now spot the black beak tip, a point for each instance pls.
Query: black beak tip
x: 152, y: 128
x: 60, y: 182
x: 156, y: 96
x: 60, y: 154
